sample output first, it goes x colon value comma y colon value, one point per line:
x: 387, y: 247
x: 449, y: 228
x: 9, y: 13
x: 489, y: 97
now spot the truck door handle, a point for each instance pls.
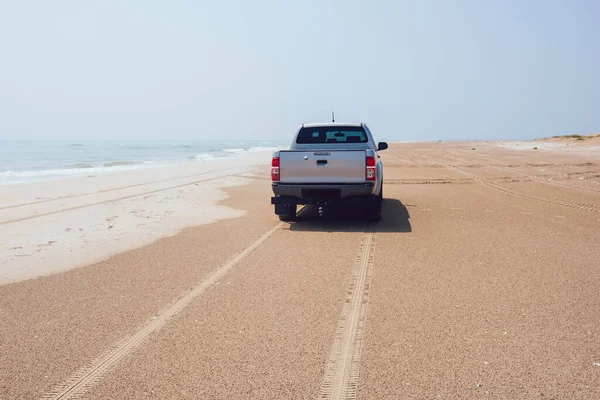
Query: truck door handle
x: 321, y: 162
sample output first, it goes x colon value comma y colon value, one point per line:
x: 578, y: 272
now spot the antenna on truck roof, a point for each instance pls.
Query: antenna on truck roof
x: 332, y: 117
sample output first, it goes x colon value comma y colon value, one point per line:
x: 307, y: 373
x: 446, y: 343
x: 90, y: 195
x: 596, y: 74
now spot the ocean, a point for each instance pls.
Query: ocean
x: 33, y: 160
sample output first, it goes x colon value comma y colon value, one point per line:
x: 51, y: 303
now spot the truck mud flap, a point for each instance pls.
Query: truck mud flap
x: 282, y: 209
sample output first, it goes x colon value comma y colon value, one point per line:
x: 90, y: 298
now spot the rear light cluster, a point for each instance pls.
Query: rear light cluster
x: 371, y: 169
x: 275, y: 169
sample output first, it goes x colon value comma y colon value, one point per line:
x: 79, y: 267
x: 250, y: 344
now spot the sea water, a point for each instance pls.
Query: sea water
x: 31, y: 160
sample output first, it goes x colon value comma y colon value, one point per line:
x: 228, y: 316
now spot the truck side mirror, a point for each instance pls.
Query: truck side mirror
x: 382, y: 146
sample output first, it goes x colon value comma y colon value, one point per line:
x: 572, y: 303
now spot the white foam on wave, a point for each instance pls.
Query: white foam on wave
x: 260, y: 148
x: 11, y: 177
x: 205, y: 157
x: 126, y: 161
x: 233, y: 152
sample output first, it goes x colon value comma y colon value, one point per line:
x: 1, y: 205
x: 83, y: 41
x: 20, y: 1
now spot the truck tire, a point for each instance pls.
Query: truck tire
x: 290, y: 215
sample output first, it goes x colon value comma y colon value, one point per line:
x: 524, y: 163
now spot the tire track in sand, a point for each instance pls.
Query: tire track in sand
x: 532, y: 177
x: 342, y: 371
x: 545, y: 199
x: 88, y: 376
x: 552, y: 183
x: 12, y: 221
x: 115, y: 188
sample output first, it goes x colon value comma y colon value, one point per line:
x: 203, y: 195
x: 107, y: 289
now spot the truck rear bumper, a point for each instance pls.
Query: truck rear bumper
x: 311, y: 194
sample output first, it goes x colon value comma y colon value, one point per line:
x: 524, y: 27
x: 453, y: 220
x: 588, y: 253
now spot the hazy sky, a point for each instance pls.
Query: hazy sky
x: 412, y: 70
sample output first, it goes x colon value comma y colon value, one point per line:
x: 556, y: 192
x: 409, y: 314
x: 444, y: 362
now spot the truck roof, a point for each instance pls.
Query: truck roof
x: 328, y: 124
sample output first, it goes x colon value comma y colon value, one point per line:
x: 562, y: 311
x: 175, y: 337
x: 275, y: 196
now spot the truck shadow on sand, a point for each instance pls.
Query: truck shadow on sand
x: 394, y: 218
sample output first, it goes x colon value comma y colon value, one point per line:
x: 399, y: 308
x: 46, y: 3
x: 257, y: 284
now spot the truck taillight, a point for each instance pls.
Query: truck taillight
x: 371, y: 169
x: 275, y: 169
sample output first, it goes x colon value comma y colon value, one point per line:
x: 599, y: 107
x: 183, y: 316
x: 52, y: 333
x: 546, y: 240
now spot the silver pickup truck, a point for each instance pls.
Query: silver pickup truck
x: 328, y: 164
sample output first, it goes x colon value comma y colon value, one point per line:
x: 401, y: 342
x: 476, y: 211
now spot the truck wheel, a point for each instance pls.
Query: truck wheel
x: 290, y: 215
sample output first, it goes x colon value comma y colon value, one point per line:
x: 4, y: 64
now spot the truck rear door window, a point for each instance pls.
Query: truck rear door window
x: 337, y: 134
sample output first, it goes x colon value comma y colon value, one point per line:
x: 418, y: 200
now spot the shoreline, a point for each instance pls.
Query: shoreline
x: 22, y: 162
x: 54, y: 226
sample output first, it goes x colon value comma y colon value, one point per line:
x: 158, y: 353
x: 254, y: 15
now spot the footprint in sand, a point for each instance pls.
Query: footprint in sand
x: 41, y: 246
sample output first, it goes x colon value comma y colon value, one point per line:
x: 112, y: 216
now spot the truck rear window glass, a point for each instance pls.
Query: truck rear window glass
x: 332, y: 134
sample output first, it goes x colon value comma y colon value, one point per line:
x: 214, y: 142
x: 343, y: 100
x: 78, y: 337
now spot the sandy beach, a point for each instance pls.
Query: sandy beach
x: 481, y: 280
x: 56, y: 225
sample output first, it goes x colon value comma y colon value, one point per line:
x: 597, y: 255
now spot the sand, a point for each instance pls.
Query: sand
x: 53, y: 226
x: 484, y: 283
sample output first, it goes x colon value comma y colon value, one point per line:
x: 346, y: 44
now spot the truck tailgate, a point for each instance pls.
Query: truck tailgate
x: 341, y: 166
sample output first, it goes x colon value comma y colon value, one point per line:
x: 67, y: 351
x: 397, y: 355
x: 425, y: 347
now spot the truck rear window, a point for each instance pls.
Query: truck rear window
x: 332, y: 134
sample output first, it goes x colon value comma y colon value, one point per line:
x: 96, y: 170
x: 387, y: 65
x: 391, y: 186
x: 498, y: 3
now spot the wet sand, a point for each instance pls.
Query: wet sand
x: 53, y: 226
x: 483, y: 283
